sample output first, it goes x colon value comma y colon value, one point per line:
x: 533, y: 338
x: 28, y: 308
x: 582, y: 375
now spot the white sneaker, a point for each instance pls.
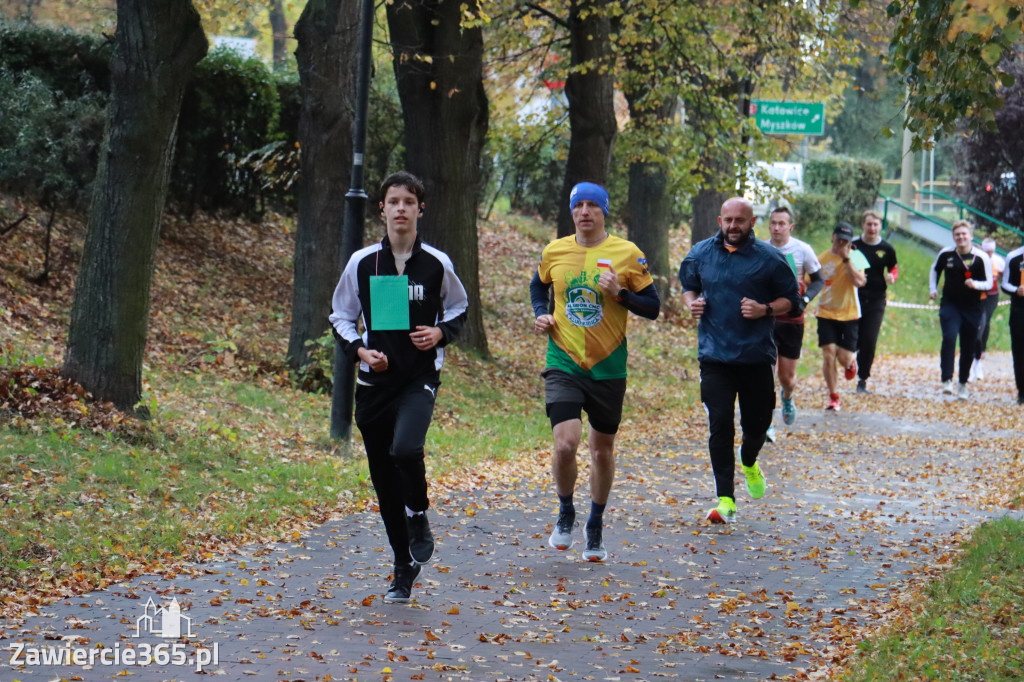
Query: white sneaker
x: 769, y: 437
x: 595, y: 550
x: 561, y: 536
x: 947, y: 387
x: 961, y: 392
x: 978, y: 369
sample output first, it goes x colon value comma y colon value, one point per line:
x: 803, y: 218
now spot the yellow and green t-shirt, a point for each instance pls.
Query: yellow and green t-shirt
x: 589, y: 335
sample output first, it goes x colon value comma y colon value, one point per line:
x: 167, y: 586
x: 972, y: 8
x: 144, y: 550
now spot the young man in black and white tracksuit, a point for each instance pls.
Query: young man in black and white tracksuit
x: 1013, y: 284
x: 411, y: 304
x: 967, y: 274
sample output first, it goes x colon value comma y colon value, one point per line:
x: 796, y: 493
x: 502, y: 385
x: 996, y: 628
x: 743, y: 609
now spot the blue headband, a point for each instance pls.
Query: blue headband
x: 590, y: 192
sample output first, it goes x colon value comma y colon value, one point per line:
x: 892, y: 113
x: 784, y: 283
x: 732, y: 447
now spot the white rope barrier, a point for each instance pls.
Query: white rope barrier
x: 922, y: 306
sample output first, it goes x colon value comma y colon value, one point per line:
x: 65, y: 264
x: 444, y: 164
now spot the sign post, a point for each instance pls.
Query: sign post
x: 788, y: 118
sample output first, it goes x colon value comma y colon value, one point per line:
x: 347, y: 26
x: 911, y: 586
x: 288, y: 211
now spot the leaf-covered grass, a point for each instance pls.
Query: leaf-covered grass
x: 967, y: 626
x: 76, y: 501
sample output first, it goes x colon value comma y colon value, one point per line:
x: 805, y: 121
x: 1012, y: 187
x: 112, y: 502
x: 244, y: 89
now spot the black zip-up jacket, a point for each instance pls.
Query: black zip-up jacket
x: 958, y: 269
x: 1012, y: 275
x: 436, y: 299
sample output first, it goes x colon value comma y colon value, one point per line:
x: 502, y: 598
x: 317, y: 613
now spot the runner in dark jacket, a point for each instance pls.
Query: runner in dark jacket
x: 968, y: 274
x: 411, y: 304
x: 1013, y: 284
x: 734, y: 284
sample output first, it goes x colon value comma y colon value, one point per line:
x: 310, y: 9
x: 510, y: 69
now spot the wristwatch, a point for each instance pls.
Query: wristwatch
x: 622, y: 294
x: 767, y: 309
x: 846, y: 260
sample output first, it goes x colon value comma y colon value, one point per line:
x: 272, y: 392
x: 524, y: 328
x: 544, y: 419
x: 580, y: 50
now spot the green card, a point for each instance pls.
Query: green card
x: 389, y: 302
x: 860, y: 261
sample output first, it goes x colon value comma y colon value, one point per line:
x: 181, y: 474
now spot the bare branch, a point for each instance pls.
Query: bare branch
x: 561, y: 21
x: 10, y: 227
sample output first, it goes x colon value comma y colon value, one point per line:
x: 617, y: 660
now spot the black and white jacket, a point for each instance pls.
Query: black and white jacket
x: 436, y: 298
x: 957, y: 270
x: 1013, y: 277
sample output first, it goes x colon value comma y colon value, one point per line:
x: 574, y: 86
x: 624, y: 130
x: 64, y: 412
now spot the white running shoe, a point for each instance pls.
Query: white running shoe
x: 561, y: 536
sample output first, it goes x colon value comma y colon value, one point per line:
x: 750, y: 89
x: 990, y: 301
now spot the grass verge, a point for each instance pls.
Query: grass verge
x: 967, y: 626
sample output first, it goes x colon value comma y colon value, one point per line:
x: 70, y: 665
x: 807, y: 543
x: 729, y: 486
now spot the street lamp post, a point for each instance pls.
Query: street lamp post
x: 355, y: 216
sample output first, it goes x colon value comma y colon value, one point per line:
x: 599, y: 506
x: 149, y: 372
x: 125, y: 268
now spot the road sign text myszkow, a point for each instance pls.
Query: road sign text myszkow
x: 789, y: 118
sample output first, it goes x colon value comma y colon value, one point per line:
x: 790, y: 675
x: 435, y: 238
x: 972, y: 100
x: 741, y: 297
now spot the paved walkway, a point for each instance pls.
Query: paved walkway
x: 859, y: 503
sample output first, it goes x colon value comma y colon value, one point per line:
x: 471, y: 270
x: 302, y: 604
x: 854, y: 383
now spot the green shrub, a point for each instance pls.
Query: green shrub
x: 815, y: 214
x: 229, y: 109
x: 48, y: 140
x: 237, y: 144
x: 73, y: 64
x: 852, y: 183
x: 529, y: 162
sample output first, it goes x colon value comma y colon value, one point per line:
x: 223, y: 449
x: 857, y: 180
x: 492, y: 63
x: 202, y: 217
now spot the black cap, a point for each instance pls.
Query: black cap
x: 844, y: 231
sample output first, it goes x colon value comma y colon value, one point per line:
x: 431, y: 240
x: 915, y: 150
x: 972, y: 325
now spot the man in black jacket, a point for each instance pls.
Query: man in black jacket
x: 411, y: 305
x: 882, y: 271
x: 1013, y: 284
x: 968, y: 274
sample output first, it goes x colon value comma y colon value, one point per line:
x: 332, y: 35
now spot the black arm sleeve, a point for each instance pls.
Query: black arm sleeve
x: 539, y: 296
x: 645, y: 303
x: 816, y: 285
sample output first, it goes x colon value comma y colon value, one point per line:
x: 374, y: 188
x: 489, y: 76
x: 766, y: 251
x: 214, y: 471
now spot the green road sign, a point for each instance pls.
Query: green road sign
x: 789, y: 118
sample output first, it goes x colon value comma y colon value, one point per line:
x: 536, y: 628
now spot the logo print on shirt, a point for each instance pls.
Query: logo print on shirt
x: 583, y: 302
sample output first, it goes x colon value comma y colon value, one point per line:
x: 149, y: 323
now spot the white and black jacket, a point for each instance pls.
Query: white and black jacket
x: 436, y: 298
x: 1013, y: 274
x: 957, y: 270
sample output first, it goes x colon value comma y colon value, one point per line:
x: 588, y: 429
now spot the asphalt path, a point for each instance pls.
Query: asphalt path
x: 862, y: 506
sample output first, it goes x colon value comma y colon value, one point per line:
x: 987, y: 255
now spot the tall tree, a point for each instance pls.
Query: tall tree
x: 279, y: 34
x: 949, y: 55
x: 774, y: 49
x: 590, y: 90
x: 990, y: 162
x: 438, y: 59
x: 157, y: 45
x: 326, y: 54
x: 652, y: 96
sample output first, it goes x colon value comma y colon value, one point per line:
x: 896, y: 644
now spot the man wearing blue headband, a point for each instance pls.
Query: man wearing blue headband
x: 597, y: 278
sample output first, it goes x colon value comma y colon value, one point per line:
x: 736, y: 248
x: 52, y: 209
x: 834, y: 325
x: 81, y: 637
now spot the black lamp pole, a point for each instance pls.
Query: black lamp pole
x: 355, y: 216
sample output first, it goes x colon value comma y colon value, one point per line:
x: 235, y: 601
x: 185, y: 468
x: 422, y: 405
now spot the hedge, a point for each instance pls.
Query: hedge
x: 232, y: 106
x: 852, y: 183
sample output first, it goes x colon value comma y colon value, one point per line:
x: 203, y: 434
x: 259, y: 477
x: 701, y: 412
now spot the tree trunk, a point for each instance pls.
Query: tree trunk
x: 591, y: 92
x: 279, y: 34
x: 649, y: 203
x: 439, y: 72
x: 718, y: 183
x: 327, y: 40
x: 707, y: 206
x: 648, y: 220
x: 157, y: 45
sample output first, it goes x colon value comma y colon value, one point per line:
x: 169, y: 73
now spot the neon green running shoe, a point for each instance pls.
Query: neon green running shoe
x: 725, y: 512
x: 756, y: 482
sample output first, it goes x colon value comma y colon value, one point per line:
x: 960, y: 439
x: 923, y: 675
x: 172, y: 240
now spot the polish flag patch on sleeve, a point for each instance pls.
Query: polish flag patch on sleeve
x: 604, y: 262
